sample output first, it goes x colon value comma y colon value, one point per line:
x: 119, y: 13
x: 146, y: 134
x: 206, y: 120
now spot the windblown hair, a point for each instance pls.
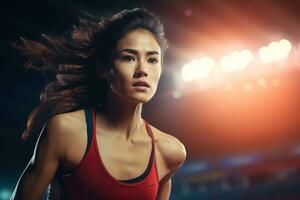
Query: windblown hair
x: 70, y: 62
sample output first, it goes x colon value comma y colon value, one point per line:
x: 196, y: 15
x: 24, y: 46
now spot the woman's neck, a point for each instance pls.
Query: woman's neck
x: 122, y: 117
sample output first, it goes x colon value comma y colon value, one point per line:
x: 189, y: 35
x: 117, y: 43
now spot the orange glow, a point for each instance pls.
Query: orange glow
x: 275, y: 82
x: 247, y: 86
x: 228, y: 87
x: 262, y: 82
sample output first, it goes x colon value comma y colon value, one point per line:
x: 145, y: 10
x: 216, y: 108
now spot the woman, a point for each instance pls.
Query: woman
x: 94, y: 143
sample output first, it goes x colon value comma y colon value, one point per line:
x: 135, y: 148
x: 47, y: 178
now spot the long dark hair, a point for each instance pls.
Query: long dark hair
x: 70, y: 62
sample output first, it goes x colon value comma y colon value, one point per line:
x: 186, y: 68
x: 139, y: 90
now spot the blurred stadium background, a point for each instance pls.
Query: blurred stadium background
x: 229, y: 92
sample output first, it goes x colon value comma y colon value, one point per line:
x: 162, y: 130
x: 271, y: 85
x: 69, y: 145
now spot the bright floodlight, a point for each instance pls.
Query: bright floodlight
x: 265, y: 55
x: 275, y: 51
x: 197, y: 69
x: 225, y: 63
x: 236, y: 61
x: 285, y: 47
x: 247, y: 56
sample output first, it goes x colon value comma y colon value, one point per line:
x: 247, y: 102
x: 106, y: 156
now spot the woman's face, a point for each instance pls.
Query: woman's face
x: 137, y: 58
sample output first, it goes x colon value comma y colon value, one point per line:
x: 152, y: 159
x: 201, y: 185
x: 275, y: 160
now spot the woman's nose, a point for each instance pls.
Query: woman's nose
x: 140, y: 73
x: 141, y: 70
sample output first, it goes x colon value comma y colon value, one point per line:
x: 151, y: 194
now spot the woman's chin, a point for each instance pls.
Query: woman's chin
x: 140, y: 99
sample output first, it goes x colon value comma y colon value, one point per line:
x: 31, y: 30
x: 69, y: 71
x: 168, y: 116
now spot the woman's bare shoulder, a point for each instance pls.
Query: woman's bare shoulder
x: 62, y: 127
x: 170, y: 147
x: 66, y: 121
x: 65, y: 118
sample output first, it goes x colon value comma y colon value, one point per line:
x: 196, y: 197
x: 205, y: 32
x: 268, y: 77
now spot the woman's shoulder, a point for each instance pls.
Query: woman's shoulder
x: 65, y: 125
x: 171, y: 148
x: 63, y: 130
x: 65, y: 121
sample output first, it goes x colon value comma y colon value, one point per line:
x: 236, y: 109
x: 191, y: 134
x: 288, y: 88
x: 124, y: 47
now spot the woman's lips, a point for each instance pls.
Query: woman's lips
x: 141, y: 85
x: 141, y: 88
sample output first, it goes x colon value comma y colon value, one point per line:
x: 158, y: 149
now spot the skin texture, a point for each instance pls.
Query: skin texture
x: 120, y: 130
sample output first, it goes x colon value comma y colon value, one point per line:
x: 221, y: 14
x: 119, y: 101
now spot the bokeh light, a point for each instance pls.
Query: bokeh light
x: 5, y: 194
x: 197, y: 69
x: 236, y: 61
x: 276, y: 51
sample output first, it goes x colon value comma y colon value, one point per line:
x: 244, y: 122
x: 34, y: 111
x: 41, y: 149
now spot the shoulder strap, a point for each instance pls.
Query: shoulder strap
x: 89, y: 125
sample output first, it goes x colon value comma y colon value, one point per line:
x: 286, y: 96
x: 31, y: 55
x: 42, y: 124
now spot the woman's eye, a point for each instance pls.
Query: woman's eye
x: 128, y: 58
x: 153, y: 60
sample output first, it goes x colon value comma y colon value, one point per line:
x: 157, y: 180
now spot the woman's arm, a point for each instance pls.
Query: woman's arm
x: 44, y: 162
x: 164, y: 190
x: 174, y: 154
x: 165, y: 185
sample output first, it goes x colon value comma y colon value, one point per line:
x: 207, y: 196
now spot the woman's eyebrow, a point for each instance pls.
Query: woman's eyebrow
x: 135, y: 52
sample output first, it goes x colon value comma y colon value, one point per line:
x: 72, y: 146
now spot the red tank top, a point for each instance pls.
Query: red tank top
x: 90, y: 179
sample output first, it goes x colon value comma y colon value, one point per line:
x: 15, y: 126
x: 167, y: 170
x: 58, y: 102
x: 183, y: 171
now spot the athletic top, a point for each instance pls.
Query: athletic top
x: 90, y: 179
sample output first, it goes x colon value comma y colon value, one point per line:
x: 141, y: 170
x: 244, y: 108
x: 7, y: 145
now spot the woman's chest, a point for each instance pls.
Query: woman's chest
x: 121, y: 160
x: 124, y: 160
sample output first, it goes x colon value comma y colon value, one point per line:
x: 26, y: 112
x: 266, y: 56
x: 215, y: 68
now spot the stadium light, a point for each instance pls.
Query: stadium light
x: 236, y: 61
x: 265, y: 55
x: 197, y: 69
x: 285, y: 47
x: 276, y: 51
